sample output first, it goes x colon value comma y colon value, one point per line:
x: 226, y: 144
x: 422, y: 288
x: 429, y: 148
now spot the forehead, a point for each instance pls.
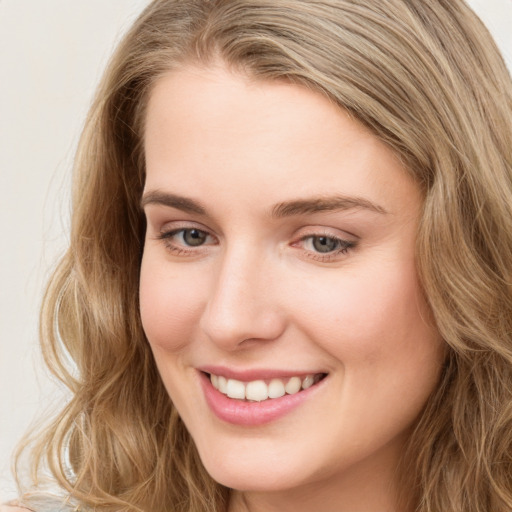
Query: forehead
x: 265, y: 139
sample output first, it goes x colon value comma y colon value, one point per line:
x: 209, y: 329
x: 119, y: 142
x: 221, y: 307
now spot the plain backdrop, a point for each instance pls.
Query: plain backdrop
x: 52, y: 54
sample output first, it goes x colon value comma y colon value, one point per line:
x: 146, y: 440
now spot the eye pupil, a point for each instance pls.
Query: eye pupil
x: 325, y: 244
x: 194, y: 237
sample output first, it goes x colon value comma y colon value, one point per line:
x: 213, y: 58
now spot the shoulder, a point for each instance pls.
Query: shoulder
x: 13, y: 508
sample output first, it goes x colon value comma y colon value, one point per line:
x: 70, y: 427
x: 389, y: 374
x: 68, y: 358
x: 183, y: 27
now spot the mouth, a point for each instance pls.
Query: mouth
x: 254, y: 398
x: 261, y: 390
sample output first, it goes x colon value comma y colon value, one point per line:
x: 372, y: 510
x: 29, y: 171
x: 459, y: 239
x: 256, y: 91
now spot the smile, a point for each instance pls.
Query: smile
x: 255, y: 397
x: 261, y: 390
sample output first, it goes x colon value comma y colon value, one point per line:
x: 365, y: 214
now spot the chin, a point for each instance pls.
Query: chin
x: 256, y: 481
x: 243, y: 473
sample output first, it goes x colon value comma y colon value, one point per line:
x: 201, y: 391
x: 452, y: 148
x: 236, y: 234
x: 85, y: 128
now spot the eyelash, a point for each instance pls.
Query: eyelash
x: 342, y: 246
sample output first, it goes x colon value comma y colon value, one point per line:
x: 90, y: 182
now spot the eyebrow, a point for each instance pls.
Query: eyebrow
x: 280, y: 210
x: 173, y: 201
x: 324, y: 204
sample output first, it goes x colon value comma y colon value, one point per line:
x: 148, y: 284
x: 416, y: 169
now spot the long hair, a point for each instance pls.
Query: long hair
x: 426, y: 78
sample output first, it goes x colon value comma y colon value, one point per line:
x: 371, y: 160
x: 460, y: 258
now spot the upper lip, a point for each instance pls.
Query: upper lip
x: 247, y: 375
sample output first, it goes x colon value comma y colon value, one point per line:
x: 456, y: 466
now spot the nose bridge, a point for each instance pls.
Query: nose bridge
x: 240, y: 305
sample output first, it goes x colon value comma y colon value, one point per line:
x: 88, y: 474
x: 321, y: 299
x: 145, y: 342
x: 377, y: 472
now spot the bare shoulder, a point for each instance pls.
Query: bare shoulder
x: 13, y: 508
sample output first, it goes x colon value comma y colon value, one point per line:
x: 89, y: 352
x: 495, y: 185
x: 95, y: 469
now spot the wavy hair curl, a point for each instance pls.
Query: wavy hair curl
x: 427, y: 79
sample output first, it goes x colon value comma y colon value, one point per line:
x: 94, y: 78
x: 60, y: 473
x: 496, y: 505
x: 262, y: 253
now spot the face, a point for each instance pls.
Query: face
x: 280, y: 255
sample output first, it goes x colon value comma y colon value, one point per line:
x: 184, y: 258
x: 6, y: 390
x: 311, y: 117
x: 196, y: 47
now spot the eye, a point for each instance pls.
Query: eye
x: 325, y: 244
x: 184, y: 240
x: 325, y: 247
x: 192, y: 237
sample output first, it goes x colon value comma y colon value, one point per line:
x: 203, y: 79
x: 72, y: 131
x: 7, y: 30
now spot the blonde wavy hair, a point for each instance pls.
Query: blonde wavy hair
x: 426, y: 78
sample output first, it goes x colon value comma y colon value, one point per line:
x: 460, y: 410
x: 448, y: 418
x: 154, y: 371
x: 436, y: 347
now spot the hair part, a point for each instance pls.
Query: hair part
x: 427, y: 79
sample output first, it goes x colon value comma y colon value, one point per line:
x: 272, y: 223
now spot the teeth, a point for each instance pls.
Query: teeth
x: 293, y: 385
x: 235, y: 389
x: 256, y: 390
x: 276, y: 388
x: 259, y: 390
x: 222, y: 384
x: 308, y: 382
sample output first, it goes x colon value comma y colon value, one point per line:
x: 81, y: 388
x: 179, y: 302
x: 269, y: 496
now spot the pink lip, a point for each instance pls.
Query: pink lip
x: 239, y: 412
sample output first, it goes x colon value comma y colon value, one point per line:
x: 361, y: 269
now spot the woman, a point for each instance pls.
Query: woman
x: 288, y: 285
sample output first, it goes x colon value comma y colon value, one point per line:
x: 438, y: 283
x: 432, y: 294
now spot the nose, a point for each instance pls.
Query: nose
x: 242, y: 303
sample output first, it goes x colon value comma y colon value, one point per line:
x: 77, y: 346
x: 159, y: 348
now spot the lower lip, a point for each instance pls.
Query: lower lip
x: 239, y: 412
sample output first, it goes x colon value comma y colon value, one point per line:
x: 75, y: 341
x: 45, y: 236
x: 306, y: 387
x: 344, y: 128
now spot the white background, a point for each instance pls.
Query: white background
x: 52, y: 53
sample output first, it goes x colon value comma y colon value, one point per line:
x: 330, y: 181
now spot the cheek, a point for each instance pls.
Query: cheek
x: 168, y: 322
x: 379, y: 330
x: 372, y: 320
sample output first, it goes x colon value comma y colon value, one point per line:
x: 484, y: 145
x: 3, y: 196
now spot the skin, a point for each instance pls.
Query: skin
x: 258, y: 294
